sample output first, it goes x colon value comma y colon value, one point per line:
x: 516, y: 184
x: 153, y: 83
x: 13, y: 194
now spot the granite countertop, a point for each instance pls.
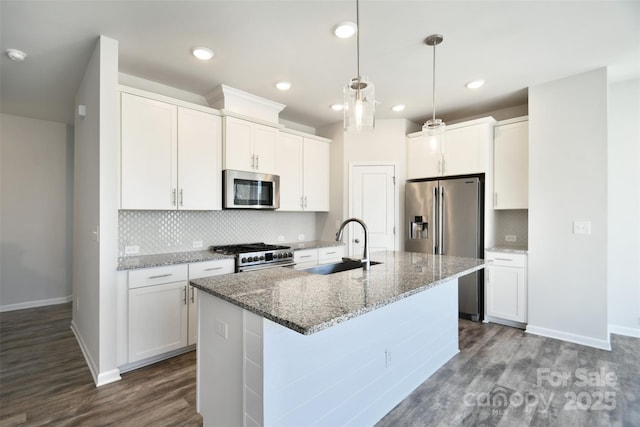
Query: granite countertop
x: 313, y: 244
x: 509, y: 249
x: 308, y: 303
x: 158, y: 260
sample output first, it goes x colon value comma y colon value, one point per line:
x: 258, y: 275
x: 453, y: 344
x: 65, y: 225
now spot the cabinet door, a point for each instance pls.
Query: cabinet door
x: 423, y: 157
x: 316, y: 175
x: 461, y: 152
x: 157, y: 319
x: 506, y: 293
x: 199, y: 163
x: 511, y: 166
x: 238, y: 144
x: 289, y: 167
x: 264, y: 148
x: 148, y: 153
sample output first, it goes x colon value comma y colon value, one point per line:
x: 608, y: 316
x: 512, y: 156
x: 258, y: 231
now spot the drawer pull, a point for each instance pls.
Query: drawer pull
x: 213, y: 268
x: 160, y: 275
x: 331, y: 253
x: 305, y: 256
x: 504, y: 259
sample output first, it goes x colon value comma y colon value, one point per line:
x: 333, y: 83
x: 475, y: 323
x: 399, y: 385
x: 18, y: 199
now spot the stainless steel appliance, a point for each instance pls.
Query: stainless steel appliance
x: 445, y: 216
x: 250, y: 190
x: 256, y: 256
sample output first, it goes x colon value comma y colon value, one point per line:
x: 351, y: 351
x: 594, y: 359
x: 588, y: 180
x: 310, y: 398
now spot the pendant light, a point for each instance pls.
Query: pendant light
x: 433, y: 127
x: 359, y: 94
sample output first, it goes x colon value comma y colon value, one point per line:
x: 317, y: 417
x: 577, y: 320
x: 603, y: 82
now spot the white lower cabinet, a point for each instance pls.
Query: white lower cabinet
x: 162, y: 307
x: 506, y: 287
x: 305, y: 258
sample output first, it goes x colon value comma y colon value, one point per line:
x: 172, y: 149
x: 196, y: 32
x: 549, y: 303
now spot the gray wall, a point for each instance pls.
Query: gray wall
x: 567, y: 182
x: 36, y: 196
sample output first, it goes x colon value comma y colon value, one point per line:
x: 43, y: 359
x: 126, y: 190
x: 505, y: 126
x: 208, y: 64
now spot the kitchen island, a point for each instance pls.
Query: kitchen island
x: 284, y: 347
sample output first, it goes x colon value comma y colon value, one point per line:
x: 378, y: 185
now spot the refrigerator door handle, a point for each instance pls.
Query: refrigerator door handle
x: 441, y: 221
x: 435, y: 229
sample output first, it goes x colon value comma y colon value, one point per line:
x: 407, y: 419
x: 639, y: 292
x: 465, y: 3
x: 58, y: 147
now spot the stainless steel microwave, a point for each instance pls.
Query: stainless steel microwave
x: 250, y: 190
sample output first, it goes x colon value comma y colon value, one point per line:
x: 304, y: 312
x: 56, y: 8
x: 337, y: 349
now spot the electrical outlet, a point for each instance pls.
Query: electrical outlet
x: 300, y: 236
x: 510, y: 238
x: 222, y: 329
x: 581, y: 227
x: 197, y: 243
x: 280, y: 238
x: 131, y: 250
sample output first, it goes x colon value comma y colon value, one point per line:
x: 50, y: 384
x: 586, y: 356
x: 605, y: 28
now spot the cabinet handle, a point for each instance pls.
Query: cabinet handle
x: 504, y: 259
x: 305, y: 256
x: 257, y: 161
x: 160, y: 275
x: 193, y: 295
x: 331, y: 253
x: 253, y: 161
x: 213, y: 268
x: 185, y: 295
x: 181, y: 198
x: 173, y: 197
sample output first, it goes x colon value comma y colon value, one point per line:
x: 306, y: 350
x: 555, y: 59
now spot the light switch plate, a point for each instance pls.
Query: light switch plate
x: 581, y: 227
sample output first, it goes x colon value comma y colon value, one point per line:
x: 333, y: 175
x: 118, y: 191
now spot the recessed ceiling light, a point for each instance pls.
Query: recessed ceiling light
x: 345, y: 29
x: 475, y: 84
x: 337, y: 107
x: 283, y: 85
x: 398, y: 108
x: 202, y: 53
x: 16, y: 55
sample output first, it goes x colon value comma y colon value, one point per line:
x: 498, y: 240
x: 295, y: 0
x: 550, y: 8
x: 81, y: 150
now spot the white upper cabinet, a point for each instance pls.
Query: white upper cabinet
x: 511, y: 165
x: 303, y: 166
x: 199, y: 160
x: 249, y: 146
x: 170, y: 156
x: 465, y: 148
x: 149, y: 149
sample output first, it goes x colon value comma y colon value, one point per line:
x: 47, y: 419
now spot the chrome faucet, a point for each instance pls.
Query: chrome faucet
x: 365, y: 260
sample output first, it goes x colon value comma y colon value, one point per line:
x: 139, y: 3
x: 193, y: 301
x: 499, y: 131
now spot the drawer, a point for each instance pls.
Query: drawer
x: 306, y: 256
x: 211, y: 268
x: 330, y: 254
x: 157, y: 275
x: 506, y: 259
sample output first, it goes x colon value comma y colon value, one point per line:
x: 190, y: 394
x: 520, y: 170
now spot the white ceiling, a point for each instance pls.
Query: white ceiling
x: 510, y: 44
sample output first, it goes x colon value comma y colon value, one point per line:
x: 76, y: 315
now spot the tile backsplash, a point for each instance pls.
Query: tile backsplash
x: 156, y: 232
x: 512, y: 223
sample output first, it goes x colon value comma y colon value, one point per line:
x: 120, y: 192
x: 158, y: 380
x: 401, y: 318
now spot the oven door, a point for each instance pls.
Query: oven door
x: 250, y: 190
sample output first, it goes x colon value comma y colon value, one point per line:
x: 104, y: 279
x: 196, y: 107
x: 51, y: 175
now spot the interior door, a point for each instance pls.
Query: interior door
x: 373, y: 199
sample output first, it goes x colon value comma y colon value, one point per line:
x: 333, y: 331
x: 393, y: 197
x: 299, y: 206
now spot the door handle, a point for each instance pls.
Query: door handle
x: 434, y: 225
x: 442, y: 223
x: 184, y: 299
x: 193, y: 295
x: 357, y: 240
x: 181, y: 198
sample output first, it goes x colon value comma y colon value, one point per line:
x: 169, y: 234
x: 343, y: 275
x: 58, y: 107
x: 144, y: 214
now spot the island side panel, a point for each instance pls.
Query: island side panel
x: 220, y: 375
x: 355, y: 372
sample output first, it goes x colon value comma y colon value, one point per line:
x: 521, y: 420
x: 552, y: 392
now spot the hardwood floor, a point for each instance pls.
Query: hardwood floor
x: 502, y: 376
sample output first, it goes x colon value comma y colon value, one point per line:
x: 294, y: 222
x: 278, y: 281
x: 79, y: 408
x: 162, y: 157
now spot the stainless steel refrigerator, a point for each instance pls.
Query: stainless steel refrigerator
x: 445, y: 216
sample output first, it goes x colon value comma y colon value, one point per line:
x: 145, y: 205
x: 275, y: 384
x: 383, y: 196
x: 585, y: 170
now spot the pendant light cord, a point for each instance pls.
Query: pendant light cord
x: 358, y: 40
x: 434, y: 83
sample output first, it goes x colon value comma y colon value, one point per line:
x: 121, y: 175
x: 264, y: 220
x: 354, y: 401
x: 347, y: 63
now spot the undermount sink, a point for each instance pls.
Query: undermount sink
x: 337, y: 267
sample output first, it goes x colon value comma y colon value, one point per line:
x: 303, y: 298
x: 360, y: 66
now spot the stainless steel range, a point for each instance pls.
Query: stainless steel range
x: 256, y: 256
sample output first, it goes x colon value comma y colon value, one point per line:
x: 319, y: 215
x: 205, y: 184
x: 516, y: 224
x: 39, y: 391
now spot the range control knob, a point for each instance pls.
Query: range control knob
x: 261, y: 257
x: 290, y: 255
x: 279, y: 256
x: 244, y: 259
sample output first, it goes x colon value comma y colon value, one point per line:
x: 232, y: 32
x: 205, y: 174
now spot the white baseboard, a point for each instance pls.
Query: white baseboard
x: 567, y: 336
x: 513, y: 324
x: 624, y: 330
x: 99, y: 378
x: 33, y: 304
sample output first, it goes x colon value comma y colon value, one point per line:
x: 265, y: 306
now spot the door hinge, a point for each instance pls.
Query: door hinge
x: 394, y: 180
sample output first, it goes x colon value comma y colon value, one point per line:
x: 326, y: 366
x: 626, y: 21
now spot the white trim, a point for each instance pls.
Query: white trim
x: 506, y: 322
x: 569, y: 337
x: 99, y: 378
x: 33, y: 304
x: 624, y: 330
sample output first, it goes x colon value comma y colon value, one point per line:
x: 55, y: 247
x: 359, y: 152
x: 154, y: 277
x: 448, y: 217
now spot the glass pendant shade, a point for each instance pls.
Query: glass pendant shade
x: 359, y: 105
